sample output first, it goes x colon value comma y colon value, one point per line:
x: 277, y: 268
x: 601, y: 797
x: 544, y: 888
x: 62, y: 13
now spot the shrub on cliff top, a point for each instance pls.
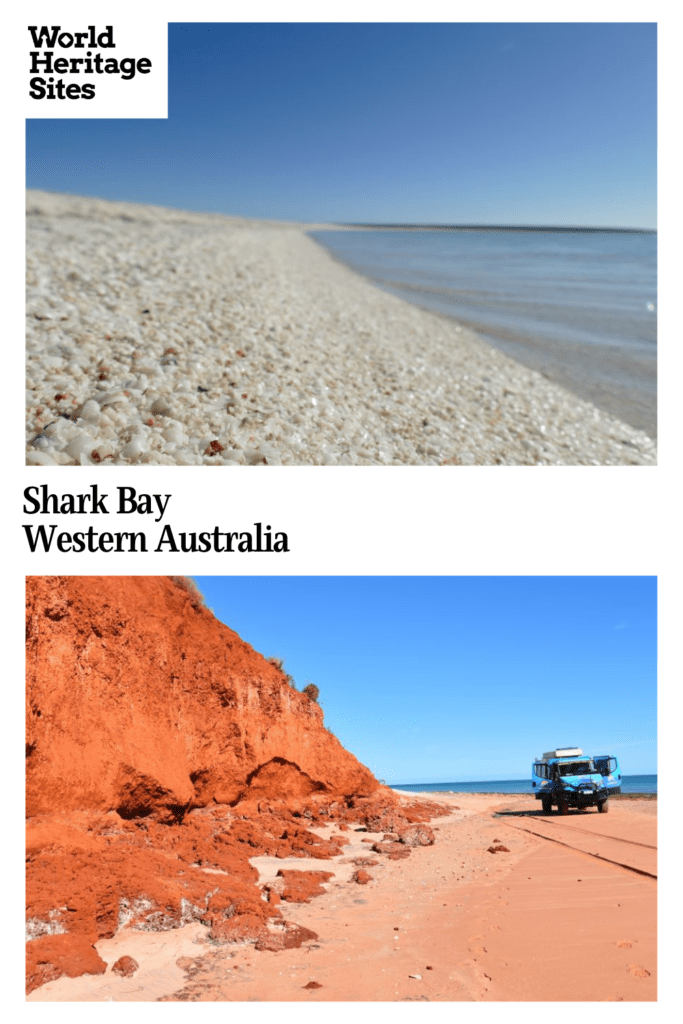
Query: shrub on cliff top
x: 311, y: 691
x: 187, y: 584
x: 279, y: 664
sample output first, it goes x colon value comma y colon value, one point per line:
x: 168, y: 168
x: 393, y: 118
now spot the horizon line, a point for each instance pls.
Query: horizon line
x: 489, y: 227
x: 469, y: 781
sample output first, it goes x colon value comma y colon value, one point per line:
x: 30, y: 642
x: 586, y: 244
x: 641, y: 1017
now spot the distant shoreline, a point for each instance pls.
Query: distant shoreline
x: 500, y: 787
x: 495, y: 227
x: 502, y: 793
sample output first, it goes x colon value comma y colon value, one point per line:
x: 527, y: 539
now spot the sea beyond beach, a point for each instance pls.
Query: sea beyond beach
x: 577, y: 305
x: 166, y: 337
x: 642, y: 785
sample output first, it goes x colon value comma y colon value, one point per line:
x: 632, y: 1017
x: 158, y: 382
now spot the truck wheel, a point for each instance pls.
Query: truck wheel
x: 562, y: 806
x: 546, y: 804
x: 603, y: 807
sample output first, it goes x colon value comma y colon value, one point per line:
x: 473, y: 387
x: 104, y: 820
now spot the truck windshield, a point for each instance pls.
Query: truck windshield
x: 577, y: 768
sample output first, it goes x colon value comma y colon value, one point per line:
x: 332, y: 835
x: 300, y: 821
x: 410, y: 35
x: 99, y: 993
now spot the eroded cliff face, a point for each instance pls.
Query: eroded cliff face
x: 162, y: 753
x: 139, y: 700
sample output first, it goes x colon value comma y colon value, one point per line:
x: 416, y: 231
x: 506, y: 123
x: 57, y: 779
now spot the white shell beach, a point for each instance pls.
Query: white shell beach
x: 160, y: 337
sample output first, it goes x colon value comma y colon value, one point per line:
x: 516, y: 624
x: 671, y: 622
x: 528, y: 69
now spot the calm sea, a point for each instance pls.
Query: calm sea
x: 579, y: 306
x: 629, y: 784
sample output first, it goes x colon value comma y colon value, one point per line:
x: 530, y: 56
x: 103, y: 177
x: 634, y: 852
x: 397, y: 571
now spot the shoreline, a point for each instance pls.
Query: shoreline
x: 619, y: 380
x: 455, y: 922
x: 549, y: 229
x: 435, y: 793
x: 157, y: 337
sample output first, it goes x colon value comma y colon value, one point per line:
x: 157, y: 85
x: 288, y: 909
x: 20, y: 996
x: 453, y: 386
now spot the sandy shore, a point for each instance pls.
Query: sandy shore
x: 620, y: 379
x: 565, y: 912
x: 161, y: 337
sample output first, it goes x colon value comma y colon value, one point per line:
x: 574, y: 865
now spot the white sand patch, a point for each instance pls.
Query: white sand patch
x: 158, y: 975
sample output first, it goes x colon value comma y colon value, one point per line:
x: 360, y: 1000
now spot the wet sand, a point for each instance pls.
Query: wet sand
x: 567, y: 912
x: 579, y: 351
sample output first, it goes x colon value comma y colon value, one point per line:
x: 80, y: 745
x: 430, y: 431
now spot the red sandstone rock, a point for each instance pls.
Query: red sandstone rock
x: 416, y: 835
x: 51, y: 956
x: 126, y: 966
x: 245, y: 928
x: 291, y: 936
x: 498, y: 849
x: 361, y: 877
x: 381, y: 812
x: 389, y: 819
x: 301, y: 886
x: 395, y: 851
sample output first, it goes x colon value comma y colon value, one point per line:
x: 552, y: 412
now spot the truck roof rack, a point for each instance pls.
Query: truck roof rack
x: 563, y: 752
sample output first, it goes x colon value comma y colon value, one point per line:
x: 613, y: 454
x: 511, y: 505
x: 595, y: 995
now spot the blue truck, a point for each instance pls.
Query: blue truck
x: 567, y: 777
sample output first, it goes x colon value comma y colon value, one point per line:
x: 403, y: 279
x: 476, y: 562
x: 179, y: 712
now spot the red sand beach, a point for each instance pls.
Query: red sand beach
x: 196, y: 833
x: 507, y: 905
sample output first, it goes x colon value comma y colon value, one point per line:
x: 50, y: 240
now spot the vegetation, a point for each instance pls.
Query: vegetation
x: 187, y: 584
x: 311, y: 691
x: 279, y: 664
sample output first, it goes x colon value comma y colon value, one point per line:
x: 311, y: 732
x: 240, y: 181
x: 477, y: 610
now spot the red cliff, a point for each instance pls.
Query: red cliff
x: 140, y: 701
x: 160, y: 745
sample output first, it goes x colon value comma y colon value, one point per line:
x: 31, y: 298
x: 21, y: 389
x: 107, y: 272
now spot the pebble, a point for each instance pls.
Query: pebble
x: 165, y: 328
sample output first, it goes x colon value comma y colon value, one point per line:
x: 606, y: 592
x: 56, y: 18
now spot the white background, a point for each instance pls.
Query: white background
x: 144, y: 95
x: 367, y: 521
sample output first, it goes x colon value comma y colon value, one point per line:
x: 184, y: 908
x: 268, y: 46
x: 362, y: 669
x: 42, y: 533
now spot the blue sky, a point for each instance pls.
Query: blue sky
x: 455, y: 679
x: 427, y: 123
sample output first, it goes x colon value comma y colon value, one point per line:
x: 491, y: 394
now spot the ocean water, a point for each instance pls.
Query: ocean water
x: 579, y: 306
x: 629, y: 784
